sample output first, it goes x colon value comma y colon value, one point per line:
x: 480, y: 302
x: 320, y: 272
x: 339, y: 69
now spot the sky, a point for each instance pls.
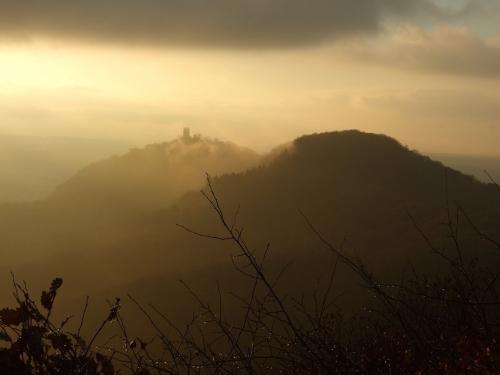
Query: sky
x: 256, y: 72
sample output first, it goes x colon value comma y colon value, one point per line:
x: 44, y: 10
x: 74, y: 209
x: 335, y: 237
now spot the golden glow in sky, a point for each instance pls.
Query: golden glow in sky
x: 433, y: 87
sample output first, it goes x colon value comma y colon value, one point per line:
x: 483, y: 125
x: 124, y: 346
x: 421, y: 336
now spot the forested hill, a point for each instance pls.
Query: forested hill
x: 361, y: 190
x: 114, y: 190
x: 151, y: 178
x: 140, y: 181
x: 353, y: 184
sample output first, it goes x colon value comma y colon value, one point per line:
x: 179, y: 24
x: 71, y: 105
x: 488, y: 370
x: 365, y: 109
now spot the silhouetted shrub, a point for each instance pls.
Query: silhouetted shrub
x: 36, y: 345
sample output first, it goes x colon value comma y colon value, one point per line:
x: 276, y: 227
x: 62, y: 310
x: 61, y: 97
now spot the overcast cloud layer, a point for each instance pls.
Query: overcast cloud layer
x: 201, y: 23
x: 443, y: 50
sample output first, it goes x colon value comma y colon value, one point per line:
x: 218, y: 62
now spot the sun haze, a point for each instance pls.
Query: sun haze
x: 255, y: 72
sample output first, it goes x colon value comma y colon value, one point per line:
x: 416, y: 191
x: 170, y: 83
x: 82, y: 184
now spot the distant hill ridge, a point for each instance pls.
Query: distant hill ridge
x: 357, y: 161
x: 152, y: 177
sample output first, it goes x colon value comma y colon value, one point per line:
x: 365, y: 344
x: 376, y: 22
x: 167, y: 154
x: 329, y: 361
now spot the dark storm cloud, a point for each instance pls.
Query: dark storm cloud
x: 210, y: 23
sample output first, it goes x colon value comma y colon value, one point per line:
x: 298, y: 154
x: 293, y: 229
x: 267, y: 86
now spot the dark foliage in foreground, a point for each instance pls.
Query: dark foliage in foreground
x: 449, y: 324
x: 35, y: 345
